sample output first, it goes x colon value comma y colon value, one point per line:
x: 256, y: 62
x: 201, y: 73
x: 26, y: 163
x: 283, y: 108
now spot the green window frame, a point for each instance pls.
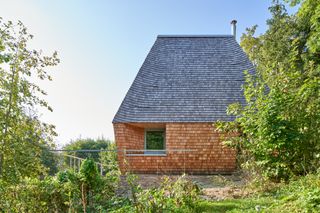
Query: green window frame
x: 154, y: 140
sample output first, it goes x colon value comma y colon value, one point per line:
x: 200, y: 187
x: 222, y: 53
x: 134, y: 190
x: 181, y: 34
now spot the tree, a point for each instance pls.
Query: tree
x: 279, y: 127
x: 49, y: 160
x: 87, y: 144
x: 22, y: 134
x: 109, y: 160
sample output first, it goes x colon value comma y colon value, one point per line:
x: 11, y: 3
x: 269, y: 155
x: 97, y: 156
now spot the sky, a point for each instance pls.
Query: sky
x: 103, y: 43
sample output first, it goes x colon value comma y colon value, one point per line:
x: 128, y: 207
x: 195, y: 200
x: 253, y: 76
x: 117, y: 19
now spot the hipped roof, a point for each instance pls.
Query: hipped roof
x: 186, y: 79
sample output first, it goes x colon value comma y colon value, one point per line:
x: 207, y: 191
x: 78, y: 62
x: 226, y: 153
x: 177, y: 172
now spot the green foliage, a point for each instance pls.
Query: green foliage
x: 299, y: 195
x: 33, y: 195
x: 22, y: 134
x: 89, y: 172
x: 277, y: 132
x: 87, y: 144
x: 171, y: 196
x: 155, y: 140
x: 293, y: 2
x: 49, y: 160
x: 94, y: 189
x: 67, y: 192
x: 108, y: 160
x: 239, y: 205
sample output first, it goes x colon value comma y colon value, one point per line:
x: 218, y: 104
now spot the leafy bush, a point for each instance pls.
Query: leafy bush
x: 33, y: 195
x: 172, y: 196
x: 22, y: 133
x: 87, y: 189
x: 277, y: 131
x: 67, y: 191
x: 108, y: 158
x: 301, y: 195
x: 49, y: 160
x: 87, y: 144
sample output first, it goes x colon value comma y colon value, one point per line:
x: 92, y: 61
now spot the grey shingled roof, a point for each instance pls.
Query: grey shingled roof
x: 186, y: 79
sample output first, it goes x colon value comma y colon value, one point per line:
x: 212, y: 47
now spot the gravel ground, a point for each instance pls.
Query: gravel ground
x: 214, y: 187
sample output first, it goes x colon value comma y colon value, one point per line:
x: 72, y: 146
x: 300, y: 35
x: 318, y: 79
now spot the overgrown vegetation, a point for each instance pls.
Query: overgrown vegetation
x: 88, y: 191
x: 278, y: 130
x: 22, y: 134
x: 301, y: 195
x: 172, y: 196
x: 69, y: 191
x: 88, y: 144
x: 108, y: 158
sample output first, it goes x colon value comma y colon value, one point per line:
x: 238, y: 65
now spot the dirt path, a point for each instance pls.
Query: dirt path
x: 214, y: 187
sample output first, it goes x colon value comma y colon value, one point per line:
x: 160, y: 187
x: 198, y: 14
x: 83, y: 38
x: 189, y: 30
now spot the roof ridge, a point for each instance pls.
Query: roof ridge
x: 194, y: 36
x: 186, y: 78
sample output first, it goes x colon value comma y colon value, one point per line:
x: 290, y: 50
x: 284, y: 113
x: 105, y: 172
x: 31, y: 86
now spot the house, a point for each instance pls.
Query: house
x: 166, y: 121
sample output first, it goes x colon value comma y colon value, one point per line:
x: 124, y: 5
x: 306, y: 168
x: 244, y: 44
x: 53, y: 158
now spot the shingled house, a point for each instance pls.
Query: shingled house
x: 166, y: 121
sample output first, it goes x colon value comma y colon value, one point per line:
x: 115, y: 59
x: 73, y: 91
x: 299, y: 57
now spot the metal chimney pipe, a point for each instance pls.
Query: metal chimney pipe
x: 234, y: 28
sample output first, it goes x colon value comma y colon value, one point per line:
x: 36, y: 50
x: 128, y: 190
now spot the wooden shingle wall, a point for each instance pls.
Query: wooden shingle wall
x: 203, y: 151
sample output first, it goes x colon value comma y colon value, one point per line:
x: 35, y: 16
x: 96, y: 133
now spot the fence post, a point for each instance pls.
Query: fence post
x: 184, y: 161
x: 157, y: 166
x: 74, y: 164
x: 125, y: 163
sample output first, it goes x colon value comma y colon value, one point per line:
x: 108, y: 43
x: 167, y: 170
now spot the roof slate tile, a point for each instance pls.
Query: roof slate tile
x: 187, y: 79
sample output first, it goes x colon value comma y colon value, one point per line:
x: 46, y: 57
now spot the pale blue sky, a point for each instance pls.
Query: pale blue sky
x: 102, y: 45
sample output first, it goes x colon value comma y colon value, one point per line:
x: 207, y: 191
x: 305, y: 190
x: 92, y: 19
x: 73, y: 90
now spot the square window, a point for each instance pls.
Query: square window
x: 155, y: 140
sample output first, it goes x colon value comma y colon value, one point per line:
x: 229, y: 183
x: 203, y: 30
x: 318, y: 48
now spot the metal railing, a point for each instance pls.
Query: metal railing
x: 74, y: 162
x: 154, y: 152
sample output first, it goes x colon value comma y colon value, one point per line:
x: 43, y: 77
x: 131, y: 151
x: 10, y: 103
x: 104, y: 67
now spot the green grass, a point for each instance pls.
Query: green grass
x: 300, y: 195
x: 234, y: 205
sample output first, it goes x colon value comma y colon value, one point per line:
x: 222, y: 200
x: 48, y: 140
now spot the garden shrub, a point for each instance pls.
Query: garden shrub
x: 277, y: 130
x: 33, y: 195
x: 171, y: 196
x: 301, y: 195
x: 88, y: 189
x: 68, y: 191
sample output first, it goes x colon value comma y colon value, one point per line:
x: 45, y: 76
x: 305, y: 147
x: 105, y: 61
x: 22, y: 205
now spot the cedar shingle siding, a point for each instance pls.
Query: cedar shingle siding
x: 209, y: 156
x: 184, y: 85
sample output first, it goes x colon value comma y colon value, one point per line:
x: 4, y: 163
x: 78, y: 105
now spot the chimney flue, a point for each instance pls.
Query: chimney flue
x: 234, y: 28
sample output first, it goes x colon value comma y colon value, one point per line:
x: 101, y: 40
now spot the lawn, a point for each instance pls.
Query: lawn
x: 234, y: 205
x: 299, y: 195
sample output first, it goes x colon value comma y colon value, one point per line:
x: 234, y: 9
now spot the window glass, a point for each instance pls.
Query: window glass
x: 155, y: 140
